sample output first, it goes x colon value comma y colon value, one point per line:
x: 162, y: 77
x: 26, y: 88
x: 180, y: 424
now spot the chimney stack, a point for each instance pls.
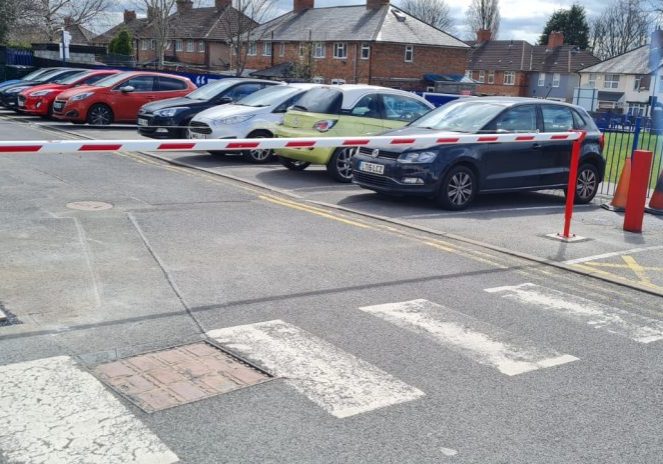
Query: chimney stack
x: 555, y: 39
x: 184, y: 6
x: 302, y: 5
x: 484, y: 35
x: 376, y: 4
x: 222, y: 4
x: 129, y: 15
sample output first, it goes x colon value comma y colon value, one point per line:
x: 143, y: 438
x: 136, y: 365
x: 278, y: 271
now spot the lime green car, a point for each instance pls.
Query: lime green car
x: 341, y: 111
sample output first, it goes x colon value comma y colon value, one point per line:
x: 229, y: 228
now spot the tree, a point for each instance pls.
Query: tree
x: 621, y: 27
x: 121, y: 44
x: 7, y: 18
x: 434, y: 12
x: 572, y: 23
x: 158, y: 15
x: 484, y: 14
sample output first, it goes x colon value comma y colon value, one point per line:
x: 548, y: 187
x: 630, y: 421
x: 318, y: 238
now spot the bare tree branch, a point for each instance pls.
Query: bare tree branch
x: 623, y: 26
x: 484, y: 14
x: 434, y: 12
x: 159, y: 27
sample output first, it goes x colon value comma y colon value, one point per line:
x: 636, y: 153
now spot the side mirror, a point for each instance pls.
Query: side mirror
x: 127, y: 89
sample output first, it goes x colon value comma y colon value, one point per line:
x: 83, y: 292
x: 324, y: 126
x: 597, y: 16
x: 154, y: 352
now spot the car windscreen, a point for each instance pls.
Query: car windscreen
x: 110, y: 81
x: 322, y: 100
x: 71, y: 79
x: 460, y: 116
x: 269, y: 96
x: 211, y: 90
x: 48, y: 75
x: 35, y: 74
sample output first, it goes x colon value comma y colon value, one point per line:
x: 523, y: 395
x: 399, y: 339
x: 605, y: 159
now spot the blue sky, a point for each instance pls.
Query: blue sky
x: 521, y: 19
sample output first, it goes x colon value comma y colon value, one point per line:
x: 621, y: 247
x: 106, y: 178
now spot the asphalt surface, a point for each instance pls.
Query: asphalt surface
x: 183, y: 253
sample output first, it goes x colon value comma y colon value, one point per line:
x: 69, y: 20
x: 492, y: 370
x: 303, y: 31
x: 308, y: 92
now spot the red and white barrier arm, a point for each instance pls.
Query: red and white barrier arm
x: 415, y: 141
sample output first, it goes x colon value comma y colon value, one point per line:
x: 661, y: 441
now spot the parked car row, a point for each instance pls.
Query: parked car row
x: 169, y: 106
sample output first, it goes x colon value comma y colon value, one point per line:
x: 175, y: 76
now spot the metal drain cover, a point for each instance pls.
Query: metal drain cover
x: 89, y: 205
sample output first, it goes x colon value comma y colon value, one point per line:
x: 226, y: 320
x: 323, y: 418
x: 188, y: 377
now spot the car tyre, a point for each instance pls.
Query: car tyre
x: 260, y: 156
x: 458, y: 188
x: 340, y: 164
x: 294, y: 165
x: 99, y: 115
x: 587, y: 184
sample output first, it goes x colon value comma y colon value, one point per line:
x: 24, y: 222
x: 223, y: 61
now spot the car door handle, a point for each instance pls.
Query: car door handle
x: 536, y: 146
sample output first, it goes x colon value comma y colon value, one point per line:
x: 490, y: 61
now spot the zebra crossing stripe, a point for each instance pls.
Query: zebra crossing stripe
x: 335, y: 380
x: 477, y: 340
x: 639, y: 328
x: 52, y: 411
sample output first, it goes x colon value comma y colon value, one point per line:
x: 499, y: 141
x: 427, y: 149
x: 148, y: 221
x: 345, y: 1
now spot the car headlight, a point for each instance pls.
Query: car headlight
x: 170, y: 112
x: 41, y: 93
x: 232, y: 120
x: 17, y: 89
x: 80, y: 96
x: 417, y: 157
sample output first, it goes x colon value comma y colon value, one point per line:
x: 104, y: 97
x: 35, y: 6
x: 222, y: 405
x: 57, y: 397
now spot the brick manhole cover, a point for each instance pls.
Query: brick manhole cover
x: 89, y: 205
x: 176, y: 376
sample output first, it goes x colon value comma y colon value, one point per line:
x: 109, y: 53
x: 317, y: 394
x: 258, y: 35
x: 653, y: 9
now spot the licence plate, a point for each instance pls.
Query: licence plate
x: 58, y: 105
x: 21, y: 103
x: 142, y: 122
x: 371, y: 167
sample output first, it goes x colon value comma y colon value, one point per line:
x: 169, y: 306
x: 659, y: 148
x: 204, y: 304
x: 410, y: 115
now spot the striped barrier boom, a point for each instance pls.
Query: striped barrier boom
x: 382, y: 141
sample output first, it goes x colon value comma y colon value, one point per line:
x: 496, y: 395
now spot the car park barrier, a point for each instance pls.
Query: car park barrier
x: 415, y: 141
x: 637, y: 190
x: 656, y: 202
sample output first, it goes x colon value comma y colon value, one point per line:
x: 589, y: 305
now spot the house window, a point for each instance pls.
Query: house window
x: 509, y: 77
x: 282, y: 49
x: 252, y: 49
x: 365, y: 51
x: 340, y: 50
x: 491, y: 77
x: 266, y: 49
x: 144, y: 44
x: 338, y: 81
x: 178, y: 45
x: 201, y: 47
x: 302, y: 49
x: 409, y: 53
x: 638, y: 83
x: 190, y: 46
x: 542, y: 79
x: 556, y: 79
x: 637, y: 109
x: 611, y: 81
x: 468, y: 73
x: 319, y: 50
x: 482, y: 77
x: 592, y: 80
x: 153, y: 44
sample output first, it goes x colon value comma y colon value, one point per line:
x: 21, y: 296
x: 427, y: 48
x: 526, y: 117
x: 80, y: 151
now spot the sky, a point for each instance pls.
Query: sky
x: 521, y: 19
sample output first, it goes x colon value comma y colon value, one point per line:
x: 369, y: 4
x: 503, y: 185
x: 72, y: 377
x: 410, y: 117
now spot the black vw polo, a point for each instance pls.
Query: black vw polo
x: 454, y: 174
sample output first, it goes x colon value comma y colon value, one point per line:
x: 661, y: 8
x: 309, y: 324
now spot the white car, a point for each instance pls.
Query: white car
x: 254, y: 116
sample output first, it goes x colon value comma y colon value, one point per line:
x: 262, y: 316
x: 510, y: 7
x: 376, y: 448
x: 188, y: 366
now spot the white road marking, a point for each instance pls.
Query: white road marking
x: 448, y: 451
x: 52, y: 411
x: 614, y: 253
x: 477, y: 340
x: 639, y: 328
x: 338, y: 382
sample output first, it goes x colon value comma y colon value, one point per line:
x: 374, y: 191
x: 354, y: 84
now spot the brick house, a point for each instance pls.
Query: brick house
x: 375, y: 43
x: 198, y: 36
x: 131, y: 23
x: 517, y: 68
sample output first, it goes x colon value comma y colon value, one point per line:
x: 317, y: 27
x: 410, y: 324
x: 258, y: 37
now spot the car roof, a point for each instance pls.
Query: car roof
x: 513, y: 101
x: 304, y: 85
x: 152, y: 73
x: 353, y: 92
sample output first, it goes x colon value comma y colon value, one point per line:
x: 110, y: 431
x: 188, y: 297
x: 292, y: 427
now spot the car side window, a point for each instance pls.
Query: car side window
x: 578, y: 121
x: 283, y: 107
x: 557, y: 118
x: 139, y: 83
x: 400, y: 108
x: 167, y: 84
x: 367, y: 107
x: 518, y: 119
x: 242, y: 90
x: 92, y: 79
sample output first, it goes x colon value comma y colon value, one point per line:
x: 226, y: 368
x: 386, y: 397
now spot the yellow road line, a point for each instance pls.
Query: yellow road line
x: 637, y: 269
x: 319, y: 213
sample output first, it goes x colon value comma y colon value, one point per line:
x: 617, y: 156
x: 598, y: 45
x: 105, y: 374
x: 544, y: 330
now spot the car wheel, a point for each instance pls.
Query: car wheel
x: 261, y: 155
x: 100, y: 115
x: 294, y: 165
x: 340, y: 164
x: 587, y: 184
x: 458, y: 189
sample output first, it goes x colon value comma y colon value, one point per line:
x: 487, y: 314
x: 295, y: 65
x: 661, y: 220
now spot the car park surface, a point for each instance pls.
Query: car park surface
x: 454, y: 174
x: 169, y: 118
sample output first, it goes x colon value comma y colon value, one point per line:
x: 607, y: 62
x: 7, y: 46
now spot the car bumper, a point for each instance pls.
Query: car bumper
x: 159, y: 127
x: 310, y: 155
x: 396, y: 178
x: 35, y: 105
x: 9, y: 101
x: 72, y: 111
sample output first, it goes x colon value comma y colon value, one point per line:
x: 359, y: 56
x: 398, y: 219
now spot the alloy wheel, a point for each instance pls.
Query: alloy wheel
x: 344, y: 162
x: 459, y: 190
x: 100, y: 116
x: 587, y: 183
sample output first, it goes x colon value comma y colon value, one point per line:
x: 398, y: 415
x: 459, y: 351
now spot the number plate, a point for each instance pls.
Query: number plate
x: 58, y: 105
x: 21, y: 103
x: 371, y: 167
x: 142, y: 122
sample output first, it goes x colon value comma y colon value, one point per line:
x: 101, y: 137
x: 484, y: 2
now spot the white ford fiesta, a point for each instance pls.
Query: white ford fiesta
x: 254, y: 116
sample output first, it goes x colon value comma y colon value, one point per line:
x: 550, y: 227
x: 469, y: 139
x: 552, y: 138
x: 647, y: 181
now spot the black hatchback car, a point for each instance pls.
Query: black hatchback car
x: 454, y: 174
x: 169, y: 118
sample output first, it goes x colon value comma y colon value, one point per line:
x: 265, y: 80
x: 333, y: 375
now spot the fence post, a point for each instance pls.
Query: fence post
x: 636, y: 133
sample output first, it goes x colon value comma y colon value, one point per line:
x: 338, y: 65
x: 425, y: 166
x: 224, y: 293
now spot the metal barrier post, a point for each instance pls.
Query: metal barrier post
x: 641, y: 162
x: 573, y: 181
x: 636, y: 133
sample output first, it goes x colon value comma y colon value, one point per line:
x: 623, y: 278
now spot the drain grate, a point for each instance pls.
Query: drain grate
x: 184, y: 374
x: 89, y: 205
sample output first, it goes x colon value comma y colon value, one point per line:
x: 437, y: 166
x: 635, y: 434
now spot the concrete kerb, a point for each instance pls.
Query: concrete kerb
x: 614, y: 280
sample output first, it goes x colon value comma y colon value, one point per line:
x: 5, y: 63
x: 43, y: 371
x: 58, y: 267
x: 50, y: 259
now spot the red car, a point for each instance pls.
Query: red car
x: 118, y: 98
x: 39, y: 100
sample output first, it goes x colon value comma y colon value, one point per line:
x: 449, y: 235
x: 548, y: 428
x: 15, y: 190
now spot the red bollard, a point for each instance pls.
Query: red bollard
x: 641, y: 162
x: 573, y: 181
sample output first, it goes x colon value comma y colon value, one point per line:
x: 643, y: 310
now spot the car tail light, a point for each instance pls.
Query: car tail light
x: 601, y: 142
x: 324, y: 125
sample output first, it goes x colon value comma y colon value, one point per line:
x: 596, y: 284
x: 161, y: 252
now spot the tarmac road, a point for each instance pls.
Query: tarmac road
x: 386, y: 344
